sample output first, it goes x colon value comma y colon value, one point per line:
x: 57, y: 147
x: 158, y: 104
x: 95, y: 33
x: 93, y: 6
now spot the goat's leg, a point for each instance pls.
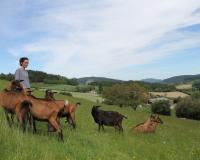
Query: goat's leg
x: 99, y: 127
x: 30, y: 119
x: 7, y: 117
x: 50, y: 128
x: 12, y: 117
x: 115, y: 128
x: 20, y: 120
x: 54, y: 123
x: 24, y: 124
x: 34, y: 125
x: 120, y: 128
x: 23, y: 119
x: 102, y: 127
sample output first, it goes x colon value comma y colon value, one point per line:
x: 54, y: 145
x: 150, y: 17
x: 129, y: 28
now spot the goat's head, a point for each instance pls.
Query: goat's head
x: 95, y: 107
x: 156, y: 119
x: 49, y: 95
x: 15, y: 85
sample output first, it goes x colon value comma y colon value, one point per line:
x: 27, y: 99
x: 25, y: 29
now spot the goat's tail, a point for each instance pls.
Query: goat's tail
x: 66, y: 103
x: 124, y: 117
x: 26, y: 115
x: 26, y: 104
x: 78, y: 104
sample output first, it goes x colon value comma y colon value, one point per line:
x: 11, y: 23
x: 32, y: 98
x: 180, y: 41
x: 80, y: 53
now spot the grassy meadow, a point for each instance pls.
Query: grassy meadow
x: 176, y: 139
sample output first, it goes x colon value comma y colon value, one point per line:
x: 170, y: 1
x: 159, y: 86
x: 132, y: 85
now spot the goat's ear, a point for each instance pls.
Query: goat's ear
x: 152, y: 116
x: 6, y: 90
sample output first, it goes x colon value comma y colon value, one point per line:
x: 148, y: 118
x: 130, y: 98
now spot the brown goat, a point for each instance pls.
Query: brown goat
x: 149, y: 126
x: 11, y: 98
x: 14, y: 85
x: 69, y: 109
x: 44, y: 110
x: 39, y: 109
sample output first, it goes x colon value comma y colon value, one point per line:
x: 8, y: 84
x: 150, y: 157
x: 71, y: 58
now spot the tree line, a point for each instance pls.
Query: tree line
x: 39, y: 76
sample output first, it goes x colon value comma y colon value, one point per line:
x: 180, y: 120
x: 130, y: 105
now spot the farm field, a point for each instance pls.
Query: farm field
x: 176, y: 139
x: 169, y: 94
x: 184, y: 86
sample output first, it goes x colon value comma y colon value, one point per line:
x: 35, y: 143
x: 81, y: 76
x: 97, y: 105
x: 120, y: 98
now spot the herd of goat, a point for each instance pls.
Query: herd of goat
x: 28, y: 109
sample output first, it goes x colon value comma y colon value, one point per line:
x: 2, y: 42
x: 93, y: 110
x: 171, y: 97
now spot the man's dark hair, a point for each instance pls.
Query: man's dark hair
x: 22, y: 59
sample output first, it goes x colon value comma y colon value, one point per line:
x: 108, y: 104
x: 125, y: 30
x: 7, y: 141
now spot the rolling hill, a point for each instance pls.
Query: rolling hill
x: 182, y: 78
x: 174, y: 80
x: 152, y: 80
x: 39, y: 76
x: 87, y: 80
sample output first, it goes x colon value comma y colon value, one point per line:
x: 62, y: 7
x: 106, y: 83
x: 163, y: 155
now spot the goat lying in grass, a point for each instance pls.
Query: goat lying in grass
x: 107, y: 118
x: 149, y: 126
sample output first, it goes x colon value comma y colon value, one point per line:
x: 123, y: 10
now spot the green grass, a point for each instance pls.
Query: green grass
x: 3, y: 84
x: 89, y: 96
x: 176, y: 139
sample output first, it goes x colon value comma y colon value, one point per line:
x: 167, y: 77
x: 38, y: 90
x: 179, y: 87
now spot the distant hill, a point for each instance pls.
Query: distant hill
x: 39, y: 76
x: 152, y: 80
x: 87, y: 80
x: 182, y: 79
x: 174, y: 80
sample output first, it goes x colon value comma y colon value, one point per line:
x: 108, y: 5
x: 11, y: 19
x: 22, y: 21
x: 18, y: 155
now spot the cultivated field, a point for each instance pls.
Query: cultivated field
x: 176, y: 139
x: 169, y: 94
x: 184, y: 86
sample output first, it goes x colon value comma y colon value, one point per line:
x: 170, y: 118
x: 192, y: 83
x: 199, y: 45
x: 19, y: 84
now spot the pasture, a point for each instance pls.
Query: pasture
x: 89, y: 96
x: 56, y: 87
x: 176, y: 139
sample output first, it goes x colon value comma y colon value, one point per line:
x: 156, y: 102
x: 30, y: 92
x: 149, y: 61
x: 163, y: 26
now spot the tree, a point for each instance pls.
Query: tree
x: 196, y: 85
x: 161, y: 107
x: 128, y: 95
x: 188, y: 108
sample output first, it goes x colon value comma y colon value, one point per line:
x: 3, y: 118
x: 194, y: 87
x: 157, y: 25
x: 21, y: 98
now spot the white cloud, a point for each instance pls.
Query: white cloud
x: 98, y: 38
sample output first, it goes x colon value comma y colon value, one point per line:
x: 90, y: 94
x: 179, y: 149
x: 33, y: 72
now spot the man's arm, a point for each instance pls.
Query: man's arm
x: 17, y: 77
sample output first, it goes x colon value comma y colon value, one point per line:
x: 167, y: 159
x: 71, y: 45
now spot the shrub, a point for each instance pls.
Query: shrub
x: 161, y: 107
x: 195, y: 95
x: 188, y: 108
x: 176, y: 100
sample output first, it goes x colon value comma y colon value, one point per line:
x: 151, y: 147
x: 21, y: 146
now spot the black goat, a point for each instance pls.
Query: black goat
x: 107, y: 118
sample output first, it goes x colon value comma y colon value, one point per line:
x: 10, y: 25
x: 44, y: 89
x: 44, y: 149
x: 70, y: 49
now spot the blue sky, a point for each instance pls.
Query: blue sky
x: 124, y: 39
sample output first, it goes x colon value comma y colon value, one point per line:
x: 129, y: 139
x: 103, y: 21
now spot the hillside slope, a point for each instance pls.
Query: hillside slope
x: 182, y: 79
x: 176, y: 139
